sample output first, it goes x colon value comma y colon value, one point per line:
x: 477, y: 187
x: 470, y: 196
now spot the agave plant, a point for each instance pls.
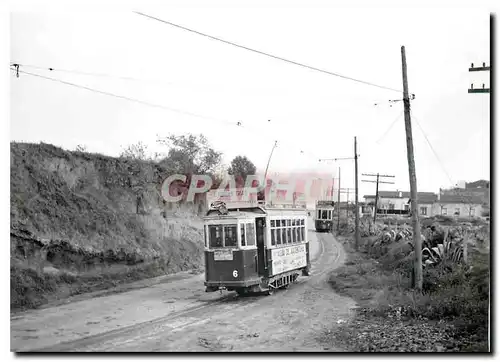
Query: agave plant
x: 452, y: 250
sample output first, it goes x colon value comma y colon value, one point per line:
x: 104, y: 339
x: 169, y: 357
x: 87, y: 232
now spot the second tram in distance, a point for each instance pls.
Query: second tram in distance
x: 323, y: 217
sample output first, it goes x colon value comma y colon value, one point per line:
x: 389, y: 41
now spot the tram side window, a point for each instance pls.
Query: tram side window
x: 242, y: 232
x: 294, y: 233
x: 303, y: 232
x: 278, y: 232
x: 297, y: 229
x: 250, y: 234
x: 215, y: 234
x: 205, y: 241
x: 230, y: 236
x: 289, y: 234
x: 283, y: 232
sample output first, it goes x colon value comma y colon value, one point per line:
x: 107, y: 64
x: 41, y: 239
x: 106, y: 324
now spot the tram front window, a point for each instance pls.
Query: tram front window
x: 324, y: 214
x: 230, y: 236
x: 215, y: 232
x: 223, y: 236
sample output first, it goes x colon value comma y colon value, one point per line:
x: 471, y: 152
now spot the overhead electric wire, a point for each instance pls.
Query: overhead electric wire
x: 238, y: 124
x: 439, y: 159
x: 126, y: 98
x: 389, y: 128
x: 268, y: 55
x: 164, y: 82
x: 92, y: 74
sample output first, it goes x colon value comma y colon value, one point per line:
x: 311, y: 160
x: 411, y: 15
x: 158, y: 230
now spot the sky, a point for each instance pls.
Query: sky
x: 312, y: 115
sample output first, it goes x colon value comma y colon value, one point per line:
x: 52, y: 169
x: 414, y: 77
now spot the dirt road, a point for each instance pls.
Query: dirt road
x: 180, y: 316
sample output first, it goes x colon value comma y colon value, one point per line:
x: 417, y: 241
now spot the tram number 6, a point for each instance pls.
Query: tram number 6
x: 235, y: 273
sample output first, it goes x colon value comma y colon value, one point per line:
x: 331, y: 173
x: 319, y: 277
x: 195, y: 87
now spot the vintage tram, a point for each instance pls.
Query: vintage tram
x: 323, y: 218
x: 254, y: 248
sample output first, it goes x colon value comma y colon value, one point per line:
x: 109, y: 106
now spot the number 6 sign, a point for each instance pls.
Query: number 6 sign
x: 235, y: 273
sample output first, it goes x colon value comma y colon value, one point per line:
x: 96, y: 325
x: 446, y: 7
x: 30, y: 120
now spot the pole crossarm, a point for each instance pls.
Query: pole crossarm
x: 380, y: 182
x: 376, y: 174
x: 336, y: 159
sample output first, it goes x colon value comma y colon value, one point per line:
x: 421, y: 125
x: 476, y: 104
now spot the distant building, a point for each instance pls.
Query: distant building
x: 458, y: 206
x: 398, y: 203
x: 466, y: 202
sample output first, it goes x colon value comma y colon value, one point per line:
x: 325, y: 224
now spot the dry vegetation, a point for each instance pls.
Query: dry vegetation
x: 451, y: 313
x: 82, y: 222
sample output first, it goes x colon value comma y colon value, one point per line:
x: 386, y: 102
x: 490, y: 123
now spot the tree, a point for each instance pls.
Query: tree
x: 241, y: 167
x: 190, y: 154
x: 81, y: 148
x: 138, y: 151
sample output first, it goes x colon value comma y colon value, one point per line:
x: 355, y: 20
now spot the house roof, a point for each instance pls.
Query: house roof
x: 476, y: 184
x: 458, y: 199
x: 423, y: 197
x: 426, y: 198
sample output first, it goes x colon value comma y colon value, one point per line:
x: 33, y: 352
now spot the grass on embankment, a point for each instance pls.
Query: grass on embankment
x: 31, y: 288
x: 451, y: 314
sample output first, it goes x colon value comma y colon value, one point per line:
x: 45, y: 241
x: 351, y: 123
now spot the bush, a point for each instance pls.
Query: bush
x: 453, y: 293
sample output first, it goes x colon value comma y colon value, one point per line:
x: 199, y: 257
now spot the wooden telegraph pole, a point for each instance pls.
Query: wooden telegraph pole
x: 417, y: 242
x: 337, y: 159
x: 356, y: 227
x: 338, y: 207
x: 376, y: 193
x: 484, y: 68
x: 376, y: 200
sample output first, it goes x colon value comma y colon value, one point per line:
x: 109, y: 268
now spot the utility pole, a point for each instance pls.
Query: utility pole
x: 376, y: 201
x: 347, y: 205
x: 376, y: 193
x: 484, y: 68
x: 417, y: 242
x: 356, y: 228
x: 344, y: 190
x: 337, y: 159
x: 338, y: 208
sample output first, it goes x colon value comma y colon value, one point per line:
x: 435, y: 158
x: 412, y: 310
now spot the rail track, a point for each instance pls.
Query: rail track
x: 192, y: 316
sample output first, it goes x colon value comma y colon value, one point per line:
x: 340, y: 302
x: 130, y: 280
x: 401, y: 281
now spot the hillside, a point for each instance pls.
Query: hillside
x: 82, y: 222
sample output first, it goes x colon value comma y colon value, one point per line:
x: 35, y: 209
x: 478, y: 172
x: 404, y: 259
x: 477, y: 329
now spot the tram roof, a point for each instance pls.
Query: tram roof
x: 245, y: 210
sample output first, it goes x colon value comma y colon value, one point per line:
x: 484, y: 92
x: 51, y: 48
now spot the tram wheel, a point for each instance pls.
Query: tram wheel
x: 270, y: 291
x: 242, y: 292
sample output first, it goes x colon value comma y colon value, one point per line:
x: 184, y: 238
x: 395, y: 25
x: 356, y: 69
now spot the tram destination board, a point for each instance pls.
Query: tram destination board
x: 223, y: 255
x: 325, y: 203
x: 290, y: 258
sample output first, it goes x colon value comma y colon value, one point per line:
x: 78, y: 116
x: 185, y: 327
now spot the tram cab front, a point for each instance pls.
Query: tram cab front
x: 231, y: 250
x: 324, y: 215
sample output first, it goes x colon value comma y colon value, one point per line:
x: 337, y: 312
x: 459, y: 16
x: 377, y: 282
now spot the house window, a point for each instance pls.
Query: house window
x: 391, y: 206
x: 472, y: 211
x: 407, y: 207
x: 423, y: 211
x: 457, y: 211
x: 444, y: 211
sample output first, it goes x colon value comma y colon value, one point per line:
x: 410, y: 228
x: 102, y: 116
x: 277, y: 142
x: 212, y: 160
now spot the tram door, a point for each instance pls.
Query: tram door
x: 261, y: 247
